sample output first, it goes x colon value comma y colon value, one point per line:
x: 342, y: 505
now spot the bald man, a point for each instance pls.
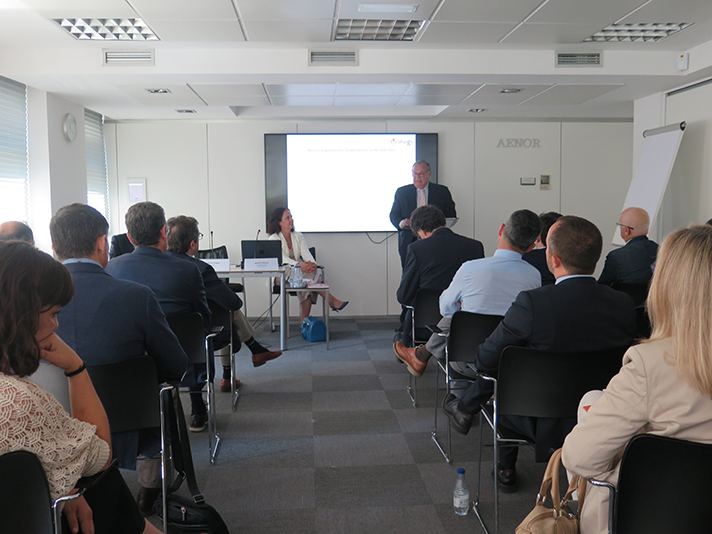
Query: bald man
x: 16, y: 230
x: 631, y: 264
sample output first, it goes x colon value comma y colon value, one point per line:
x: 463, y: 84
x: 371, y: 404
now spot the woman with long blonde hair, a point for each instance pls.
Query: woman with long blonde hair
x: 665, y: 384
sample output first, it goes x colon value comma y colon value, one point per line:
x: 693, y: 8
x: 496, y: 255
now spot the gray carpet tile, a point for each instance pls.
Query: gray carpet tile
x: 271, y: 521
x: 348, y: 401
x: 266, y: 452
x: 347, y: 383
x: 275, y: 401
x: 361, y: 449
x: 343, y: 368
x: 343, y: 355
x: 420, y: 519
x: 357, y: 422
x: 272, y: 424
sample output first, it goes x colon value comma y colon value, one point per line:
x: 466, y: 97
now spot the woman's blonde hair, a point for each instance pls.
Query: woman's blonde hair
x: 680, y: 303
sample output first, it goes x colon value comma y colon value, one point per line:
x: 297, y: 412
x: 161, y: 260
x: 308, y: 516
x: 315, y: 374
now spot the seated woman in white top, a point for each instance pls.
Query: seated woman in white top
x: 295, y: 252
x: 665, y: 384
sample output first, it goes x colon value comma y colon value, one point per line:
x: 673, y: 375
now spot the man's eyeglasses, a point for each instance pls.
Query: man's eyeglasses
x: 420, y: 174
x: 625, y: 226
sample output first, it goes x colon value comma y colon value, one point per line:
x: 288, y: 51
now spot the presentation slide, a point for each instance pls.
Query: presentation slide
x: 346, y: 183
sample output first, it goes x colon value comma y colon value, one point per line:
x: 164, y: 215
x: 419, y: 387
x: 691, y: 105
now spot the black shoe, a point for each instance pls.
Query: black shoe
x: 461, y: 421
x: 145, y: 499
x: 507, y: 480
x: 198, y: 422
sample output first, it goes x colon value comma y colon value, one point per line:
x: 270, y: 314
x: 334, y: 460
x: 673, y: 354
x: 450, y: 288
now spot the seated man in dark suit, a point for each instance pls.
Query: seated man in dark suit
x: 120, y: 244
x: 16, y: 230
x: 111, y: 320
x: 183, y: 238
x: 177, y: 284
x: 575, y: 314
x: 432, y: 260
x: 633, y: 263
x: 537, y: 256
x: 487, y: 286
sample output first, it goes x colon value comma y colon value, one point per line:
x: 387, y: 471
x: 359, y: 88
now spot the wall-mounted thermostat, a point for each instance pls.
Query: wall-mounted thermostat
x: 544, y: 182
x: 683, y: 61
x: 527, y: 181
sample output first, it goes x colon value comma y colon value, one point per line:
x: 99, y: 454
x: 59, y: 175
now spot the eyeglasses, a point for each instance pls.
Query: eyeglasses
x: 420, y: 174
x: 625, y: 226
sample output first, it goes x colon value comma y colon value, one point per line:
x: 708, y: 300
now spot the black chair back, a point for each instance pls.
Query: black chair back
x: 219, y: 253
x: 190, y: 332
x: 638, y: 292
x: 662, y: 486
x: 467, y: 332
x: 129, y: 392
x: 426, y: 311
x: 545, y: 384
x: 25, y: 504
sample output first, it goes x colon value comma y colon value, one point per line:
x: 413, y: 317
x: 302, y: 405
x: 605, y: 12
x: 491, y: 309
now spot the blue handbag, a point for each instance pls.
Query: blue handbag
x: 313, y: 329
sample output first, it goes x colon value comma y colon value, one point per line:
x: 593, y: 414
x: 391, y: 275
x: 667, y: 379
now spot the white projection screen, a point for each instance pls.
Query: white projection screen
x: 342, y: 182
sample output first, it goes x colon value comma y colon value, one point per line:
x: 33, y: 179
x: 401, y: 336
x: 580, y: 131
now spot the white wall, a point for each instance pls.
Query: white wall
x: 215, y: 172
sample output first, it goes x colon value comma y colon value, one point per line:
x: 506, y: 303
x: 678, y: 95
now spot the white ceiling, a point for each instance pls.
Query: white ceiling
x: 249, y: 58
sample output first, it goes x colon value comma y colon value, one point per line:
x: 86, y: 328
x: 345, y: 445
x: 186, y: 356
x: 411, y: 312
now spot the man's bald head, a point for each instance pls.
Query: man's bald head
x: 634, y: 222
x: 16, y: 230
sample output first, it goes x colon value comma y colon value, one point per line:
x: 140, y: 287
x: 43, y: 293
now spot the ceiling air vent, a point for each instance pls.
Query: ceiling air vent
x: 128, y: 57
x: 576, y: 59
x: 336, y: 58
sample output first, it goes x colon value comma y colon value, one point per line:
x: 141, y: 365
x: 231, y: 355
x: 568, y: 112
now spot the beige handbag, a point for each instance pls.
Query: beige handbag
x: 556, y: 520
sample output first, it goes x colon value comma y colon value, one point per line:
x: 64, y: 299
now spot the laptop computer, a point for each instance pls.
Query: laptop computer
x: 261, y: 249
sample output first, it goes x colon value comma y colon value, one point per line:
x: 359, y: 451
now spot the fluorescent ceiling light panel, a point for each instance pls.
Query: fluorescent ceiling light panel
x: 641, y: 32
x: 107, y: 29
x: 377, y: 30
x: 387, y: 8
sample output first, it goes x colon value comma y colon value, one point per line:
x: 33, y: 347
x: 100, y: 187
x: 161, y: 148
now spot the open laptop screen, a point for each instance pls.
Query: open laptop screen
x: 262, y: 249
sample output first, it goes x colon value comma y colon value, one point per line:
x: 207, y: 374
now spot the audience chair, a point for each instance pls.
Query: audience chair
x: 639, y: 294
x: 25, y: 503
x: 661, y: 487
x: 467, y: 332
x: 190, y: 332
x: 222, y: 318
x: 52, y: 380
x: 535, y: 383
x: 423, y: 313
x: 220, y: 253
x: 275, y: 291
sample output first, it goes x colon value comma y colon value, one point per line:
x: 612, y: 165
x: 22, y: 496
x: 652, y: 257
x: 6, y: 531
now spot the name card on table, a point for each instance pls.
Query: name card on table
x: 222, y: 264
x: 261, y: 264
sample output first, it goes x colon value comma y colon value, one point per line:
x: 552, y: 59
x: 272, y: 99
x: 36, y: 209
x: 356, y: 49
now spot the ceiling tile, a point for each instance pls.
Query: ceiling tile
x: 598, y: 12
x: 301, y: 89
x: 180, y: 95
x: 570, y: 94
x: 465, y: 32
x: 302, y: 100
x: 232, y: 94
x: 490, y: 95
x: 348, y: 9
x: 423, y: 100
x: 288, y: 30
x: 677, y: 11
x: 240, y: 101
x: 371, y: 89
x: 69, y: 5
x: 552, y: 34
x: 285, y: 9
x: 442, y: 89
x: 366, y: 100
x: 197, y: 30
x: 485, y: 11
x: 185, y: 9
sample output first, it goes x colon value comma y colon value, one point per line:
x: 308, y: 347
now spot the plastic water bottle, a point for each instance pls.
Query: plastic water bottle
x: 297, y: 280
x: 461, y: 495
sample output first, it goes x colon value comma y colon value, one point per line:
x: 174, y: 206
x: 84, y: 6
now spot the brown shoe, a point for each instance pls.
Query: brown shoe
x: 145, y: 499
x: 225, y: 385
x: 407, y: 356
x: 263, y: 357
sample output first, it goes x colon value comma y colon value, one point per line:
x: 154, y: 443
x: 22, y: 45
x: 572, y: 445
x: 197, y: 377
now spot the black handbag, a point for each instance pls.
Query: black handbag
x: 186, y: 515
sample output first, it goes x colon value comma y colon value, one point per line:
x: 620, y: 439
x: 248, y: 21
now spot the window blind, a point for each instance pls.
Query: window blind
x: 14, y: 178
x: 97, y: 175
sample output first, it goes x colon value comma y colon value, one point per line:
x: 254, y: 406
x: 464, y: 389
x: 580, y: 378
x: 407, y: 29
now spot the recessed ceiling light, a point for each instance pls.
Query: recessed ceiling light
x: 377, y: 30
x: 642, y: 32
x: 186, y: 111
x: 477, y: 110
x: 159, y: 91
x: 510, y: 90
x: 387, y: 8
x: 107, y: 29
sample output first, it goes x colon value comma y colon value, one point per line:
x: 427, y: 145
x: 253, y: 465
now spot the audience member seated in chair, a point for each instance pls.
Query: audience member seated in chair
x: 120, y: 244
x: 537, y: 256
x: 109, y: 321
x: 183, y: 238
x: 177, y: 284
x: 665, y: 384
x: 295, y: 252
x: 34, y: 288
x: 487, y: 286
x: 16, y: 231
x: 433, y: 260
x: 576, y: 314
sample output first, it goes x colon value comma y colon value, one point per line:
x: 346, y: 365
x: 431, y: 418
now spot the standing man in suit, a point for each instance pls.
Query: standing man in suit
x: 575, y: 314
x: 183, y: 244
x: 420, y: 193
x: 177, y: 284
x: 433, y: 260
x: 631, y: 264
x: 487, y: 286
x: 110, y: 320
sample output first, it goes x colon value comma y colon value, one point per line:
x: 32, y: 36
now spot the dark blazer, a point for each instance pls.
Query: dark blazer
x: 215, y: 289
x: 406, y: 201
x: 537, y: 258
x: 177, y: 284
x: 431, y: 263
x: 575, y: 315
x: 120, y: 244
x: 631, y: 264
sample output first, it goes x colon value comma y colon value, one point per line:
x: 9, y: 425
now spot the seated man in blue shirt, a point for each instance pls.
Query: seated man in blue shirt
x: 487, y: 286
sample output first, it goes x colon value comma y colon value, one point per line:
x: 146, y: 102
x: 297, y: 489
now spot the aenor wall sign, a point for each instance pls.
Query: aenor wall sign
x: 511, y: 142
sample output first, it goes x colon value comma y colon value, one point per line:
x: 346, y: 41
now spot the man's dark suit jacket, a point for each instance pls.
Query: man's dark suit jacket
x: 630, y: 264
x: 120, y: 244
x: 110, y: 320
x: 405, y: 202
x: 537, y: 258
x: 177, y: 284
x: 577, y: 314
